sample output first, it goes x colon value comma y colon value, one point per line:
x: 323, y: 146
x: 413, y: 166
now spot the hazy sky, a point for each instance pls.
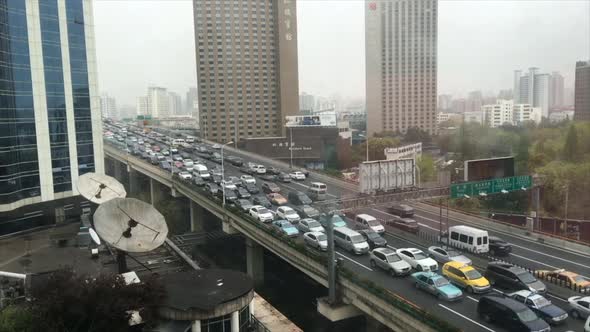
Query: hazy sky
x: 480, y: 43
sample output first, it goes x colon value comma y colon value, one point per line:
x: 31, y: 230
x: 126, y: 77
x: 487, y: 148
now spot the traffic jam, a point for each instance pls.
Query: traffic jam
x: 461, y: 274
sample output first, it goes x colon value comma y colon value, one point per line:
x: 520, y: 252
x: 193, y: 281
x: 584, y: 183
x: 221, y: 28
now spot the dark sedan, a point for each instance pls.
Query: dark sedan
x: 373, y: 238
x: 499, y: 247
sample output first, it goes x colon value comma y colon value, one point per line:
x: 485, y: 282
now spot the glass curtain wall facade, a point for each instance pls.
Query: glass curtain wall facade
x: 50, y: 129
x: 19, y: 169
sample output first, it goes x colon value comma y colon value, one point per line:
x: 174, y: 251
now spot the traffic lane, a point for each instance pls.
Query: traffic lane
x: 461, y: 313
x: 529, y: 253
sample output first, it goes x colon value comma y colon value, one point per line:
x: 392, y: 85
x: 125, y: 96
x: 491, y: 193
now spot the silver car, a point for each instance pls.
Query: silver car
x: 580, y: 306
x: 389, y: 261
x: 316, y: 240
x: 309, y: 225
x: 446, y: 255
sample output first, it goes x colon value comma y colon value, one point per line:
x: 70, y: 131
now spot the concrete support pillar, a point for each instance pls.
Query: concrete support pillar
x: 196, y: 213
x: 255, y: 261
x: 196, y: 326
x: 157, y: 191
x: 134, y: 182
x: 235, y: 321
x: 118, y: 170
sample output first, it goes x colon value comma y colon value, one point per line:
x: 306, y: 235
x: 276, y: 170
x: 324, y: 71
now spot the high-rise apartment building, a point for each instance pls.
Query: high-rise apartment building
x: 247, y: 71
x: 532, y: 88
x: 306, y: 103
x: 556, y: 90
x: 51, y: 123
x: 401, y: 64
x: 108, y: 106
x: 582, y: 91
x: 192, y: 101
x: 174, y: 103
x: 143, y: 106
x: 444, y: 102
x: 155, y: 104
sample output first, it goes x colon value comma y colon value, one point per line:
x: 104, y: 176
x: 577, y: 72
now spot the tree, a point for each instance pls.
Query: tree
x: 16, y: 318
x: 70, y: 302
x: 427, y: 168
x: 570, y: 149
x: 377, y: 147
x: 415, y: 135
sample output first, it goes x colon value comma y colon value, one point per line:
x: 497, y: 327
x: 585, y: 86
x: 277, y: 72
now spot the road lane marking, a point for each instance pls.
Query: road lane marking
x: 473, y: 299
x: 352, y: 260
x: 508, y: 234
x: 465, y: 317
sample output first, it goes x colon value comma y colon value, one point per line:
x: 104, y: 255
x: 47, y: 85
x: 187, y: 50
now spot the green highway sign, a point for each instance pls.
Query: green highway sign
x: 488, y: 187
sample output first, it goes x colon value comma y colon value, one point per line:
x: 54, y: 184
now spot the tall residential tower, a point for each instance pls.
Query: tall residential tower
x: 582, y: 92
x: 246, y: 67
x: 401, y: 64
x: 51, y: 130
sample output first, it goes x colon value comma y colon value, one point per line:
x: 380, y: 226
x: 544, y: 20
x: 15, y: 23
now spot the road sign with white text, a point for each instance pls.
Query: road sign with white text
x: 494, y: 186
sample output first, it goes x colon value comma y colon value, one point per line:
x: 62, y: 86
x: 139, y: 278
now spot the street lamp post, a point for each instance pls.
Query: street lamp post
x: 223, y: 173
x: 291, y: 146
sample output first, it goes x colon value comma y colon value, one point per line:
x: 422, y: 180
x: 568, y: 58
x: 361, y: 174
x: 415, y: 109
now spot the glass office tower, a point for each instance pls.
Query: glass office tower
x: 50, y: 126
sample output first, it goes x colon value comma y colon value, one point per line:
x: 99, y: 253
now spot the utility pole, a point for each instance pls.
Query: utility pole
x: 331, y: 259
x: 440, y: 221
x: 291, y: 147
x: 367, y: 145
x: 567, y: 190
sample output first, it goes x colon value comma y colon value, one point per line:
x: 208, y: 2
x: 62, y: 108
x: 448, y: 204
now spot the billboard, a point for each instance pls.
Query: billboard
x: 487, y: 169
x: 327, y: 119
x: 386, y: 175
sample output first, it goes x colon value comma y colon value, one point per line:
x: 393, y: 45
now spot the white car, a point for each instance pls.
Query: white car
x: 248, y: 179
x: 417, y: 259
x: 309, y: 225
x: 580, y: 306
x: 287, y: 213
x: 297, y: 176
x: 261, y: 213
x: 185, y: 175
x: 228, y: 184
x: 316, y: 240
x: 259, y: 169
x: 587, y: 325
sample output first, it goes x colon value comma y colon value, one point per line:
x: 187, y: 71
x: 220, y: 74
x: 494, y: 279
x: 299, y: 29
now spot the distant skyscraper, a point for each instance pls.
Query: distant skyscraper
x: 246, y: 67
x: 556, y: 90
x: 474, y: 102
x: 192, y: 101
x: 582, y: 92
x: 459, y: 105
x: 532, y: 88
x: 158, y: 104
x: 306, y: 102
x: 108, y: 106
x: 51, y: 123
x: 505, y: 94
x: 143, y: 106
x: 444, y: 102
x: 401, y: 64
x: 174, y: 104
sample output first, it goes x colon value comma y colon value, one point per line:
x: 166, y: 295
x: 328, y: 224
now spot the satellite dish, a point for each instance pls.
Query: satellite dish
x: 130, y: 225
x: 94, y: 236
x: 100, y: 188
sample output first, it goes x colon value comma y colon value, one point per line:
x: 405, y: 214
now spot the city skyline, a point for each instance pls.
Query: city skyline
x: 164, y: 61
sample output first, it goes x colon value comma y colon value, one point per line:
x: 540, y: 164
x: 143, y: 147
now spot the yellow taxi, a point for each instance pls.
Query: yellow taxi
x: 466, y: 277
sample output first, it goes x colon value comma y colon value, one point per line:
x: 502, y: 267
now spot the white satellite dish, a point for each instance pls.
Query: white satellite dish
x: 130, y: 225
x: 94, y: 236
x: 99, y: 188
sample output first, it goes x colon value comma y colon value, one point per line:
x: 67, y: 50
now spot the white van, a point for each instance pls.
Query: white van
x: 317, y: 191
x: 190, y: 139
x: 469, y: 238
x: 202, y: 171
x: 350, y: 240
x: 368, y: 221
x: 177, y: 141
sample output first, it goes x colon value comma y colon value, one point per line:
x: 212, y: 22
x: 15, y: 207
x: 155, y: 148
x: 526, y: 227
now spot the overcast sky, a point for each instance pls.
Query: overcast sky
x: 481, y: 42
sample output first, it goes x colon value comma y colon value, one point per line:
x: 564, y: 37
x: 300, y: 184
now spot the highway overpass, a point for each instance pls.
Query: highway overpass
x: 396, y: 303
